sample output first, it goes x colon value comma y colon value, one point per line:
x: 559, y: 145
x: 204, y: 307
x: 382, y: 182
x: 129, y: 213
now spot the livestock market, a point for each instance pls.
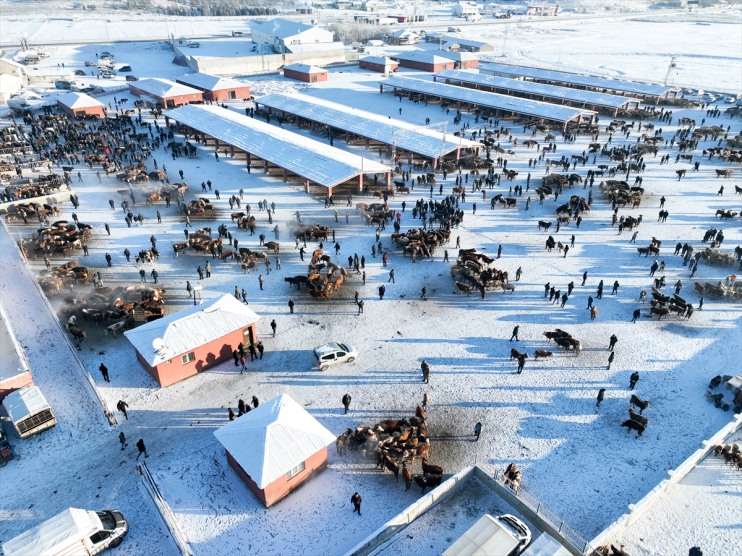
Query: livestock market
x: 518, y: 294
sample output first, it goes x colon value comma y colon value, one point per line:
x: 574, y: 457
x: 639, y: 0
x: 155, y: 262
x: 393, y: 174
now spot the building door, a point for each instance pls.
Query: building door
x: 232, y: 95
x: 248, y: 337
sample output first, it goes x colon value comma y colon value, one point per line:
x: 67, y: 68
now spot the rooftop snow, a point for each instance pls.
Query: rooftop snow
x: 407, y: 136
x: 382, y: 60
x: 78, y: 100
x: 280, y: 28
x: 273, y: 438
x: 315, y: 161
x: 163, y: 88
x: 24, y: 402
x: 304, y: 68
x: 210, y: 82
x: 530, y: 87
x: 577, y: 79
x: 185, y: 330
x: 420, y: 56
x: 490, y: 100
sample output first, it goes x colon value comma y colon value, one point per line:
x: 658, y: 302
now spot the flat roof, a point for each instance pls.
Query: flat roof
x: 533, y: 88
x: 416, y: 139
x: 646, y: 89
x: 210, y: 82
x: 315, y: 161
x: 523, y: 106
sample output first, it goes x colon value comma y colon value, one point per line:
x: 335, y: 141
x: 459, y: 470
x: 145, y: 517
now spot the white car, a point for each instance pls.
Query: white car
x: 518, y: 529
x: 333, y: 354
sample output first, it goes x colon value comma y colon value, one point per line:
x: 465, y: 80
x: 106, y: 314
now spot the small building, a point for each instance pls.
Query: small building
x: 466, y: 44
x: 468, y: 11
x: 305, y: 72
x: 381, y: 64
x: 187, y: 342
x: 275, y: 447
x: 424, y: 61
x: 402, y: 37
x: 462, y: 60
x: 305, y: 9
x: 79, y: 105
x: 543, y: 10
x: 216, y: 88
x: 165, y: 93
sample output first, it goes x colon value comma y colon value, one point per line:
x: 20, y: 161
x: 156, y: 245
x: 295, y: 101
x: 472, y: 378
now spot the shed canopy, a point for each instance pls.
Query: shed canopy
x: 24, y: 402
x: 273, y: 438
x: 315, y: 161
x: 164, y: 88
x: 78, y: 100
x: 412, y: 138
x: 523, y: 106
x: 209, y: 82
x: 185, y: 330
x: 534, y: 88
x: 646, y: 89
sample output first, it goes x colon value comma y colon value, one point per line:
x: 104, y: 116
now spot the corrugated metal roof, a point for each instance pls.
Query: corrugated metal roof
x: 273, y: 438
x: 163, y: 88
x: 416, y: 139
x: 280, y: 28
x: 577, y: 79
x: 54, y: 535
x: 531, y: 87
x: 523, y: 106
x: 190, y: 328
x: 210, y: 82
x: 24, y: 402
x: 78, y: 100
x: 315, y: 161
x: 304, y: 68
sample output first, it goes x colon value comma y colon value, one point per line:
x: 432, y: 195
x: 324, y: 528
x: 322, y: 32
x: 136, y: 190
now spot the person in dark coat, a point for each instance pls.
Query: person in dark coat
x: 104, y: 371
x: 236, y: 357
x: 261, y: 348
x: 142, y: 449
x: 610, y: 359
x: 515, y: 334
x: 253, y: 352
x: 584, y: 277
x: 601, y: 396
x: 273, y: 327
x: 291, y: 306
x: 255, y: 401
x: 477, y: 431
x: 122, y: 406
x: 613, y: 342
x: 240, y: 407
x: 589, y: 301
x: 615, y: 287
x: 426, y: 371
x: 521, y: 363
x: 382, y: 290
x: 356, y: 501
x: 633, y: 379
x: 122, y: 439
x: 346, y: 402
x: 108, y: 259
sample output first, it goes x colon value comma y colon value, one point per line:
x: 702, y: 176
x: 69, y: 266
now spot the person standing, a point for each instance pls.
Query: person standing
x: 255, y: 401
x: 382, y: 291
x: 425, y: 401
x: 291, y: 306
x: 142, y: 449
x: 477, y: 431
x: 615, y: 287
x: 601, y: 396
x: 108, y: 259
x: 426, y: 371
x: 521, y: 363
x: 633, y: 379
x: 356, y: 501
x: 391, y: 276
x: 260, y: 281
x: 613, y: 342
x: 240, y: 407
x: 273, y: 327
x: 346, y: 402
x: 610, y: 359
x: 122, y: 406
x: 122, y: 439
x: 243, y: 362
x: 584, y: 277
x: 231, y: 414
x: 261, y: 348
x: 104, y: 371
x: 360, y: 306
x: 515, y: 334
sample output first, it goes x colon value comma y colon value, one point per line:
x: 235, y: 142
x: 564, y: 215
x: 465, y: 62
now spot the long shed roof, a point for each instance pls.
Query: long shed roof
x: 533, y: 88
x: 645, y: 89
x: 409, y: 137
x: 318, y: 162
x: 273, y: 438
x: 523, y: 106
x: 185, y: 330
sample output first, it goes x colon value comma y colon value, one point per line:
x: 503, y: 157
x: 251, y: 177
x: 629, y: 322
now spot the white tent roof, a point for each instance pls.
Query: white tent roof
x: 304, y: 68
x: 273, y: 438
x: 78, y: 100
x: 409, y: 137
x: 163, y: 87
x: 55, y: 535
x: 315, y: 161
x: 24, y: 402
x: 531, y: 87
x: 185, y: 330
x: 491, y: 100
x: 210, y: 82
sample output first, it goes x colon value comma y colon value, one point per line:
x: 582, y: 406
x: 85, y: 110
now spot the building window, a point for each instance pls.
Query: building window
x: 295, y: 471
x: 188, y: 358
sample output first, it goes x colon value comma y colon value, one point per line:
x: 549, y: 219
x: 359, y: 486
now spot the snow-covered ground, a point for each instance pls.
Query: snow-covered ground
x: 575, y: 459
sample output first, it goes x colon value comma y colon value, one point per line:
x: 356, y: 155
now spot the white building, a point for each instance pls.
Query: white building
x: 285, y: 36
x: 468, y: 11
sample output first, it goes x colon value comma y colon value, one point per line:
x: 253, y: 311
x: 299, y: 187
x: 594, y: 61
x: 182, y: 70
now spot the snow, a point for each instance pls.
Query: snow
x: 576, y: 460
x: 78, y: 100
x: 164, y: 88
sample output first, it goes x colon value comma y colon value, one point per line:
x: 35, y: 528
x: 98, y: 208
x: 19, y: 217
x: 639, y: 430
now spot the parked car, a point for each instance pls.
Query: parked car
x: 80, y: 72
x: 194, y: 44
x: 454, y: 29
x: 132, y: 78
x: 6, y: 452
x: 333, y: 354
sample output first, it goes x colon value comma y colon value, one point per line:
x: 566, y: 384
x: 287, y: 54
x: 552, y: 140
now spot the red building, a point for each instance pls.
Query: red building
x: 462, y: 60
x: 78, y: 105
x: 305, y: 72
x: 216, y: 88
x: 275, y: 447
x: 424, y: 61
x: 165, y: 93
x: 378, y: 63
x: 189, y: 341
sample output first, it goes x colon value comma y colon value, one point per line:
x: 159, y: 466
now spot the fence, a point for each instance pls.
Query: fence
x: 151, y: 488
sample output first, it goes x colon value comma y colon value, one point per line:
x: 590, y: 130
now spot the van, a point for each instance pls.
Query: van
x: 505, y: 535
x: 29, y: 411
x: 31, y: 59
x: 194, y: 44
x: 72, y: 532
x: 132, y: 78
x: 63, y: 84
x: 18, y: 104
